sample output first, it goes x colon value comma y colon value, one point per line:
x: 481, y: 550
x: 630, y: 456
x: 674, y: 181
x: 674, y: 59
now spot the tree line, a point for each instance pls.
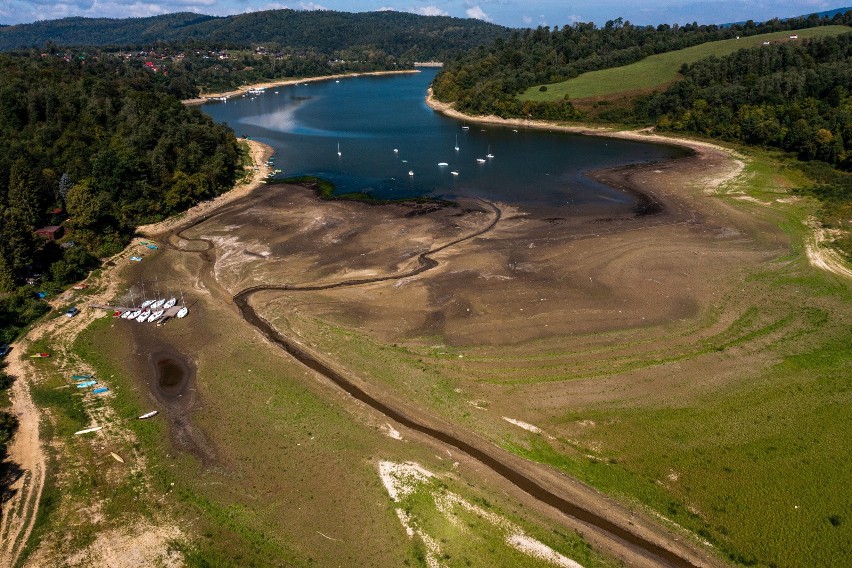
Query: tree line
x: 400, y: 35
x: 487, y: 80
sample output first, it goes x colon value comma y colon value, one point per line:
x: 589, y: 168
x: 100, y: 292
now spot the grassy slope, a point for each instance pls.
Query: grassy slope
x: 657, y: 70
x: 751, y: 466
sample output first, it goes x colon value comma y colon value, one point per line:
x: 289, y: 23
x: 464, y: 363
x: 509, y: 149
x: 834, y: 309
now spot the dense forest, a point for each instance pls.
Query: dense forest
x: 397, y: 35
x: 488, y: 79
x: 99, y: 147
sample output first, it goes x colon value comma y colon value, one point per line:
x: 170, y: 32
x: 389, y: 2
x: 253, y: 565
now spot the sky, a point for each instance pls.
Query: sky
x: 512, y: 13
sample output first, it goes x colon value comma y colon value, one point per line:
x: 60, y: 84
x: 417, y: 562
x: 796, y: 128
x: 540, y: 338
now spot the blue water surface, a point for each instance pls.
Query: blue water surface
x: 370, y: 117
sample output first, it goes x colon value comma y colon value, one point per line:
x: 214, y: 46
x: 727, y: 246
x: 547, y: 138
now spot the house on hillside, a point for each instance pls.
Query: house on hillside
x: 51, y: 232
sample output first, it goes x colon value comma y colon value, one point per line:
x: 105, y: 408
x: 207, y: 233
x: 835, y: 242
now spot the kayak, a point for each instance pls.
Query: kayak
x: 87, y: 430
x: 149, y: 414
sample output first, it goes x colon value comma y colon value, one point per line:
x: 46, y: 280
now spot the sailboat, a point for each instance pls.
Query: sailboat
x: 457, y: 142
x: 489, y: 154
x: 338, y: 149
x: 465, y: 127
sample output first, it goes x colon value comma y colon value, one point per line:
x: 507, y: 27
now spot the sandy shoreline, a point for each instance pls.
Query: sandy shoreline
x: 289, y: 81
x: 729, y: 173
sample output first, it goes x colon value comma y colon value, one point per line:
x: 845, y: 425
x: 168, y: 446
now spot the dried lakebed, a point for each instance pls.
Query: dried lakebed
x: 644, y: 543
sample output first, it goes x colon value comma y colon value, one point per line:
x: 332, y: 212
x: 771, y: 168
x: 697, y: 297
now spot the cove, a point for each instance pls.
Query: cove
x: 385, y: 131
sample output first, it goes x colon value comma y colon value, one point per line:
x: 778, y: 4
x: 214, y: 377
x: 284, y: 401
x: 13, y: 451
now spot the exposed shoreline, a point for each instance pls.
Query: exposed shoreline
x: 737, y: 163
x: 289, y: 81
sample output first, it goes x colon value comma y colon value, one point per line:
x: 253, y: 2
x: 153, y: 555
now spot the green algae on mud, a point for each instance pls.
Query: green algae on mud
x: 325, y: 190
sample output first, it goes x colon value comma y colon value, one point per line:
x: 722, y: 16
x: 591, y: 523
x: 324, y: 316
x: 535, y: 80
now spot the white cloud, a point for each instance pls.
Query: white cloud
x: 527, y: 20
x: 429, y: 11
x: 386, y: 9
x: 311, y: 6
x: 477, y: 13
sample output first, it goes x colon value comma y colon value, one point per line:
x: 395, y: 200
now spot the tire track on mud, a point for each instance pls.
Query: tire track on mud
x: 638, y: 544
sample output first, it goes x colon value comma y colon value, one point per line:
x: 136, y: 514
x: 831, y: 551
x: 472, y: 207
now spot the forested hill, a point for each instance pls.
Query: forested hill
x: 99, y: 147
x: 395, y: 33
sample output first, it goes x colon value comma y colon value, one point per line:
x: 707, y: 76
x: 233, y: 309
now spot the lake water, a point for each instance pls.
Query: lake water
x: 369, y: 118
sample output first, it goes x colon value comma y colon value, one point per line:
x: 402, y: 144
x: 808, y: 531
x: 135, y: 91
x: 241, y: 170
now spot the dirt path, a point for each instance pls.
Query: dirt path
x: 26, y: 452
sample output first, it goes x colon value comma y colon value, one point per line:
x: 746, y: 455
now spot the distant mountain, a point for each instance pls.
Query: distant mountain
x: 395, y: 33
x: 825, y: 14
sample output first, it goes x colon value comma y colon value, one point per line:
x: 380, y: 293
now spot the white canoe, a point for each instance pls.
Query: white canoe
x: 149, y: 414
x: 87, y: 430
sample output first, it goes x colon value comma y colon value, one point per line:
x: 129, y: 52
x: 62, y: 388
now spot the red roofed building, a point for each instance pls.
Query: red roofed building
x: 51, y: 232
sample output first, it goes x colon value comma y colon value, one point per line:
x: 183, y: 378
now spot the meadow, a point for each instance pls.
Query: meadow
x: 657, y: 71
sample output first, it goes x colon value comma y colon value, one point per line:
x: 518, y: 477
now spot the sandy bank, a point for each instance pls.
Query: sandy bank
x: 721, y: 174
x: 289, y: 81
x: 260, y: 154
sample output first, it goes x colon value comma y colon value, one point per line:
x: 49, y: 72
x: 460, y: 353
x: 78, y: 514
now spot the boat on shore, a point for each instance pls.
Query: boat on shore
x: 156, y: 315
x: 87, y: 430
x: 182, y: 312
x: 149, y: 415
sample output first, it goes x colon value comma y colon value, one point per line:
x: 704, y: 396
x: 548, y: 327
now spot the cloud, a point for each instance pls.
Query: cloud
x: 477, y: 13
x: 429, y: 11
x: 386, y: 9
x: 311, y: 6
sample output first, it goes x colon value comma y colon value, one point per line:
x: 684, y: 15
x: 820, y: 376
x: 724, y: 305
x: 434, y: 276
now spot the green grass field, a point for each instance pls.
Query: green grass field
x: 657, y: 70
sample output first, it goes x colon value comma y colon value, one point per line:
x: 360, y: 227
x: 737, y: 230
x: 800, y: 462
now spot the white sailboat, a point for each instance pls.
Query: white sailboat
x: 465, y: 127
x: 457, y: 142
x: 411, y: 173
x: 489, y: 154
x: 454, y: 173
x: 157, y: 305
x: 182, y: 313
x: 443, y: 164
x: 481, y: 160
x: 143, y: 316
x: 172, y: 301
x: 155, y: 315
x: 338, y: 149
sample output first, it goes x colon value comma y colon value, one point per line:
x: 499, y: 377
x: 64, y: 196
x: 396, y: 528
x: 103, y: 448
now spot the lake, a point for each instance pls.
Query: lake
x: 391, y: 144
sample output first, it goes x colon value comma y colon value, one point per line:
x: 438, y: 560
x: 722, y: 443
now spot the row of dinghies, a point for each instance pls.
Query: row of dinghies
x: 153, y: 310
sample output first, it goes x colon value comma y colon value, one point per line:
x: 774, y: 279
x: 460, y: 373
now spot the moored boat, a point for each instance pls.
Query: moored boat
x: 156, y: 315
